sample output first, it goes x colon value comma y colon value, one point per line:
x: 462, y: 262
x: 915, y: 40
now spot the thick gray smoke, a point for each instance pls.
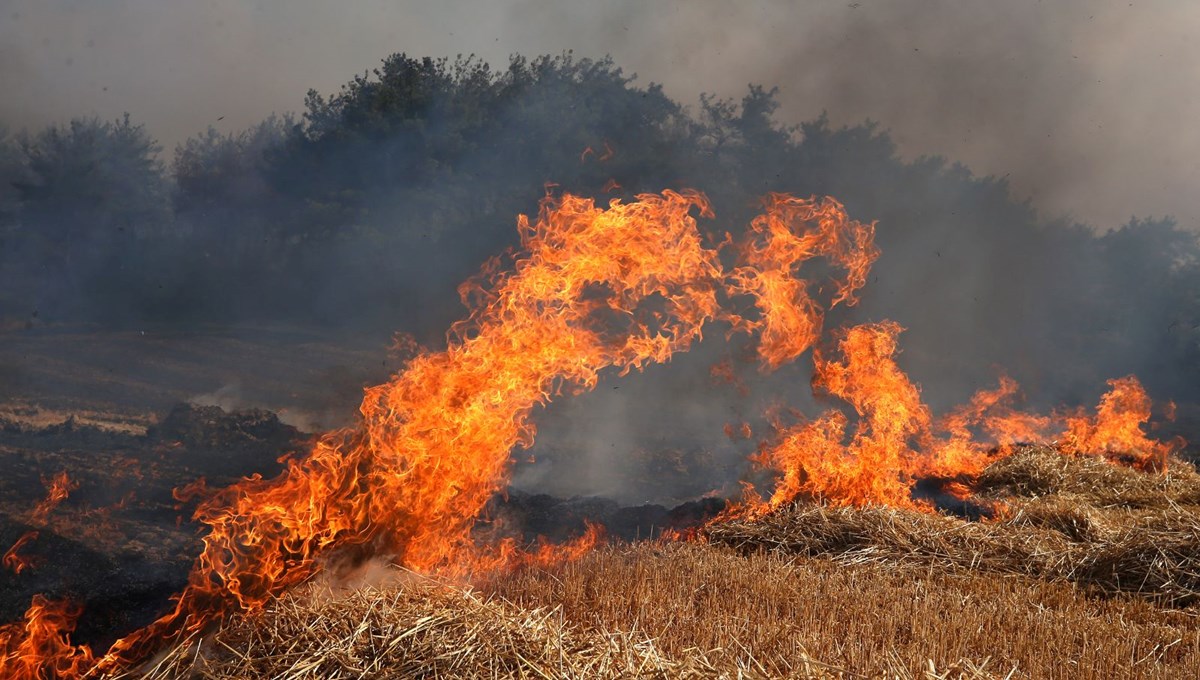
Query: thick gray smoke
x: 1086, y: 105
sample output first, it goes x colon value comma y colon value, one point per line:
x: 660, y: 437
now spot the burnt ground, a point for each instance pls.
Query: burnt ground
x: 120, y: 543
x: 127, y: 378
x: 100, y: 404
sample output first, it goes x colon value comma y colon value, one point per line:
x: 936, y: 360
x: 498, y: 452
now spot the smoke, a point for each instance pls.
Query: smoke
x: 1086, y: 106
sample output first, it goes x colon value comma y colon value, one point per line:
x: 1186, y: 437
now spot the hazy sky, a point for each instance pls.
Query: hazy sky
x: 1091, y: 107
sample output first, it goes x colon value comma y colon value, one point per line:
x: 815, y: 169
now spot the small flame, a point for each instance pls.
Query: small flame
x: 549, y: 554
x: 1116, y: 429
x: 13, y: 559
x: 58, y: 488
x: 736, y: 431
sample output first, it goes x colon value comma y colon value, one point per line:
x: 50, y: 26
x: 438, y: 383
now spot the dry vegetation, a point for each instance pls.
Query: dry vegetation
x: 411, y: 627
x: 1091, y: 572
x: 865, y: 617
x: 1154, y: 556
x: 1038, y: 471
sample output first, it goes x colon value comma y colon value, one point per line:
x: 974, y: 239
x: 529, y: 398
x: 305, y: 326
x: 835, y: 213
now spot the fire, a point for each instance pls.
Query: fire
x: 39, y: 646
x: 591, y: 290
x: 737, y: 431
x: 880, y: 462
x: 991, y: 412
x: 896, y: 441
x: 1116, y: 428
x: 549, y: 554
x: 13, y: 559
x: 58, y: 488
x: 790, y: 232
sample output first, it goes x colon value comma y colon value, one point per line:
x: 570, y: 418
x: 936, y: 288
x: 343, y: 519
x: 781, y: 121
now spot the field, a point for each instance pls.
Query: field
x: 1082, y: 569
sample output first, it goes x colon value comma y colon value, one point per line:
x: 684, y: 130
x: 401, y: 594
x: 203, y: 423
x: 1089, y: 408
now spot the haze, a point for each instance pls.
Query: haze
x: 1088, y: 107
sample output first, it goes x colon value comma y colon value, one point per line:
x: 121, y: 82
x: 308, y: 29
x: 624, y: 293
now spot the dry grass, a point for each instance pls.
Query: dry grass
x: 1156, y: 557
x: 1107, y: 528
x: 871, y: 593
x: 766, y: 610
x: 1037, y: 471
x: 412, y: 629
x: 417, y: 628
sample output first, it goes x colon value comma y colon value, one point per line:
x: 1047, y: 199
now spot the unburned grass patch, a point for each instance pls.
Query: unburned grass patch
x: 874, y: 618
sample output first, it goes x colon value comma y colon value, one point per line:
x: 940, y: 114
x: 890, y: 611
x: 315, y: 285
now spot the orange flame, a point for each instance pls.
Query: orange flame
x: 13, y: 559
x: 549, y: 554
x: 592, y: 289
x: 991, y: 412
x: 790, y: 232
x: 58, y: 488
x: 39, y: 646
x: 895, y: 440
x: 1116, y: 429
x: 878, y: 464
x: 735, y: 431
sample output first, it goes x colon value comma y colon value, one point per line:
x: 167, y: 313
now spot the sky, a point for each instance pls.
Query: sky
x: 1088, y: 107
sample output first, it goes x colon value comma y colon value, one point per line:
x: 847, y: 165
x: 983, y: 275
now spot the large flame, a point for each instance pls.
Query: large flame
x: 590, y: 289
x: 790, y: 232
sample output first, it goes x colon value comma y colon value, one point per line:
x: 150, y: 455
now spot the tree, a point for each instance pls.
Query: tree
x: 222, y: 195
x: 11, y: 171
x: 92, y: 189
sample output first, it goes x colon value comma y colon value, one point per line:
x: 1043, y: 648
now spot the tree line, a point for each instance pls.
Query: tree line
x: 367, y: 210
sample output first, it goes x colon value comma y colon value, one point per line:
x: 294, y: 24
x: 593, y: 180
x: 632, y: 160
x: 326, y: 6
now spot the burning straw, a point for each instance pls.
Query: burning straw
x: 1130, y: 534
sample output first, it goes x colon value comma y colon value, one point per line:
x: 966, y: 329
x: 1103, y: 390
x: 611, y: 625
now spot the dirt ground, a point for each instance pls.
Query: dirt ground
x: 127, y: 378
x: 108, y: 408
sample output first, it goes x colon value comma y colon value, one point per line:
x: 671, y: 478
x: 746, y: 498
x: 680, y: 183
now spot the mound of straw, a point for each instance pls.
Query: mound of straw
x: 1086, y: 521
x: 1036, y: 471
